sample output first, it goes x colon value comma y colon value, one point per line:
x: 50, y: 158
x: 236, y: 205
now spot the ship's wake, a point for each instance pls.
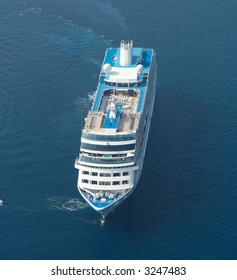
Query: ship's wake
x: 83, y: 103
x: 43, y: 202
x: 65, y: 204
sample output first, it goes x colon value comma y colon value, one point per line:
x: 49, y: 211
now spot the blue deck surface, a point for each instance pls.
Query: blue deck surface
x: 113, y: 123
x: 144, y: 54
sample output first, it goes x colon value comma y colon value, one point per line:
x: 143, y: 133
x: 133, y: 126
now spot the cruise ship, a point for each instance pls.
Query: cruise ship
x: 114, y: 137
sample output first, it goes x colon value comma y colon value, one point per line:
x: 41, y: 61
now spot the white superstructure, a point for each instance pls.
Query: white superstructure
x: 114, y: 137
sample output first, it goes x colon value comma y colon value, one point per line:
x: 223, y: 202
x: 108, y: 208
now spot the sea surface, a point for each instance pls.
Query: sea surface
x: 185, y: 206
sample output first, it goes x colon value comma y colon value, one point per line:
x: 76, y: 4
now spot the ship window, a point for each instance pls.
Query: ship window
x: 125, y: 173
x: 94, y: 174
x: 116, y: 183
x: 104, y: 183
x: 110, y: 84
x: 98, y: 137
x: 94, y: 182
x: 105, y: 175
x: 85, y: 172
x: 84, y: 181
x: 122, y: 84
x: 93, y: 147
x: 125, y: 182
x: 116, y: 174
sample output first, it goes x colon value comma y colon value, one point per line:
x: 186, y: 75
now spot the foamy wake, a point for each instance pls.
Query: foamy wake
x: 31, y: 203
x: 65, y: 203
x: 84, y: 103
x: 91, y: 96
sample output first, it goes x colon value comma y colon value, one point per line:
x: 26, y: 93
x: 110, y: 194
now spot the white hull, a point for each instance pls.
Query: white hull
x: 137, y: 173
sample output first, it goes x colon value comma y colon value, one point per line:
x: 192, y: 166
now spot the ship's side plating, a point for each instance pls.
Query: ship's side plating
x: 115, y: 134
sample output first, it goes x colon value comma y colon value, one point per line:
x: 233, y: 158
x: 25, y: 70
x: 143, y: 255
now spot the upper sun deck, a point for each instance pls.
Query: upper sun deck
x: 139, y: 56
x: 121, y: 90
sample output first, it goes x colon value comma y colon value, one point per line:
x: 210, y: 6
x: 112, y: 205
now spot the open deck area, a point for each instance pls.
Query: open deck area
x: 123, y: 87
x: 127, y: 118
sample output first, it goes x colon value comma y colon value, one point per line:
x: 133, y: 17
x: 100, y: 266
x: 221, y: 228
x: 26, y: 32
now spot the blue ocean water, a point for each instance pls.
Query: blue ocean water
x: 185, y: 204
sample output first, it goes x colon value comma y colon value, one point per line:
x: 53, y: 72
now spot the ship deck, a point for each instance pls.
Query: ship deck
x: 128, y: 121
x: 128, y: 96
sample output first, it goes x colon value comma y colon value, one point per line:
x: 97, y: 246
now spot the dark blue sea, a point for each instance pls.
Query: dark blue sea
x: 185, y: 206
